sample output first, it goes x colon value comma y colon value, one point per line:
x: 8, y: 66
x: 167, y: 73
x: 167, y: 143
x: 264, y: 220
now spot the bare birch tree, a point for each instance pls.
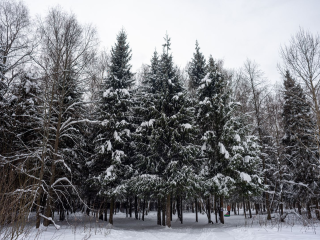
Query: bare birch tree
x: 66, y: 50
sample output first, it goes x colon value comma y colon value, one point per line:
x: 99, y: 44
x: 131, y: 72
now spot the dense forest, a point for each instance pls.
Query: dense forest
x: 81, y: 131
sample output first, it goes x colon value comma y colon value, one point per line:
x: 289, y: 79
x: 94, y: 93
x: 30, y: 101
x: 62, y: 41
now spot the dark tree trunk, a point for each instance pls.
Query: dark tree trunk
x: 143, y: 208
x: 181, y: 205
x: 164, y: 211
x: 111, y: 211
x: 130, y: 207
x: 208, y: 210
x: 299, y: 208
x: 309, y: 210
x: 196, y: 205
x: 178, y: 207
x: 215, y: 208
x: 127, y: 203
x: 257, y: 208
x: 268, y: 207
x: 244, y: 208
x: 317, y: 209
x: 235, y: 209
x: 159, y: 212
x: 249, y: 208
x: 171, y: 207
x: 221, y: 210
x: 105, y: 210
x: 136, y: 207
x: 62, y: 215
x: 168, y: 220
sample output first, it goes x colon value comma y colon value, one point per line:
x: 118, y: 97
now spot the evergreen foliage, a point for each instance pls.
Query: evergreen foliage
x: 113, y: 163
x: 197, y: 69
x: 301, y: 152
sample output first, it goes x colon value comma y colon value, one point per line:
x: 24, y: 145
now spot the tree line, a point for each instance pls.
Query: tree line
x: 79, y: 130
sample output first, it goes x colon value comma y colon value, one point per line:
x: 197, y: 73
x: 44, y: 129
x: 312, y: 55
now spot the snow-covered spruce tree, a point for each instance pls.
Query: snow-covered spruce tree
x: 167, y: 165
x: 245, y: 160
x: 142, y: 182
x: 301, y: 156
x: 113, y: 163
x: 196, y: 70
x: 172, y: 137
x: 225, y: 145
x: 20, y: 164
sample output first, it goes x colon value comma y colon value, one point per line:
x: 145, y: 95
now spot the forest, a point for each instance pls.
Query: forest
x: 80, y: 131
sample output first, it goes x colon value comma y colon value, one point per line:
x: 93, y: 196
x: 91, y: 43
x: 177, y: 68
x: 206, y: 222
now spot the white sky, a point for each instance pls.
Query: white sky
x: 232, y: 30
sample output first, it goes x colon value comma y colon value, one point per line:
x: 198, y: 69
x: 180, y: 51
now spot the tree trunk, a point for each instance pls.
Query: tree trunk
x: 249, y: 209
x: 136, y: 207
x: 268, y: 206
x: 105, y: 210
x: 257, y: 208
x: 159, y: 212
x: 143, y: 208
x: 178, y: 207
x: 164, y: 211
x: 181, y: 205
x: 139, y: 210
x: 171, y: 207
x: 235, y: 208
x: 196, y: 206
x: 127, y: 203
x: 281, y: 209
x: 221, y: 210
x: 208, y: 210
x: 317, y: 209
x: 244, y: 208
x: 168, y: 220
x: 309, y: 210
x: 215, y: 208
x: 130, y: 207
x: 111, y: 211
x: 48, y: 214
x: 299, y: 208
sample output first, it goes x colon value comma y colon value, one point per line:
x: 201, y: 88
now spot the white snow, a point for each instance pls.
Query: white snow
x: 148, y: 123
x: 245, y: 177
x: 109, y: 145
x: 124, y: 92
x: 237, y: 138
x: 247, y: 159
x: 109, y: 171
x: 236, y: 227
x: 117, y: 155
x: 223, y: 150
x: 107, y: 93
x: 116, y: 136
x: 186, y: 125
x: 204, y: 147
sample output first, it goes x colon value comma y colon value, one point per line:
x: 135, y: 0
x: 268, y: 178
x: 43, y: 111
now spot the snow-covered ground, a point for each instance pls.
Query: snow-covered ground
x: 235, y: 227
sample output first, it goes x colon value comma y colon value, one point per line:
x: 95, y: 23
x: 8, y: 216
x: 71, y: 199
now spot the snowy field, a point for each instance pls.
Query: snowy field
x: 236, y: 227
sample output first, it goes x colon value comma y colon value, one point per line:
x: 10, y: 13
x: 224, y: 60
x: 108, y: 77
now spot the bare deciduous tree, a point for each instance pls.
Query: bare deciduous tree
x: 14, y: 37
x: 302, y: 58
x: 66, y: 50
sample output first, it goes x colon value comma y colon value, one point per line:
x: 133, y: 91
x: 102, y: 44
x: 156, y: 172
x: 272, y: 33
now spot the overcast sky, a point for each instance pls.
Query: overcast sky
x: 232, y: 30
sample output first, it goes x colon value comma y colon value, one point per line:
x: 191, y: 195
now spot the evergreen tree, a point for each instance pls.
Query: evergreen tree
x: 113, y: 163
x: 224, y: 142
x: 300, y: 146
x: 196, y: 70
x: 166, y: 157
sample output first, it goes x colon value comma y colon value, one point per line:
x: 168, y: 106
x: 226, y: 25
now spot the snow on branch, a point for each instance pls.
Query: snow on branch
x: 50, y: 219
